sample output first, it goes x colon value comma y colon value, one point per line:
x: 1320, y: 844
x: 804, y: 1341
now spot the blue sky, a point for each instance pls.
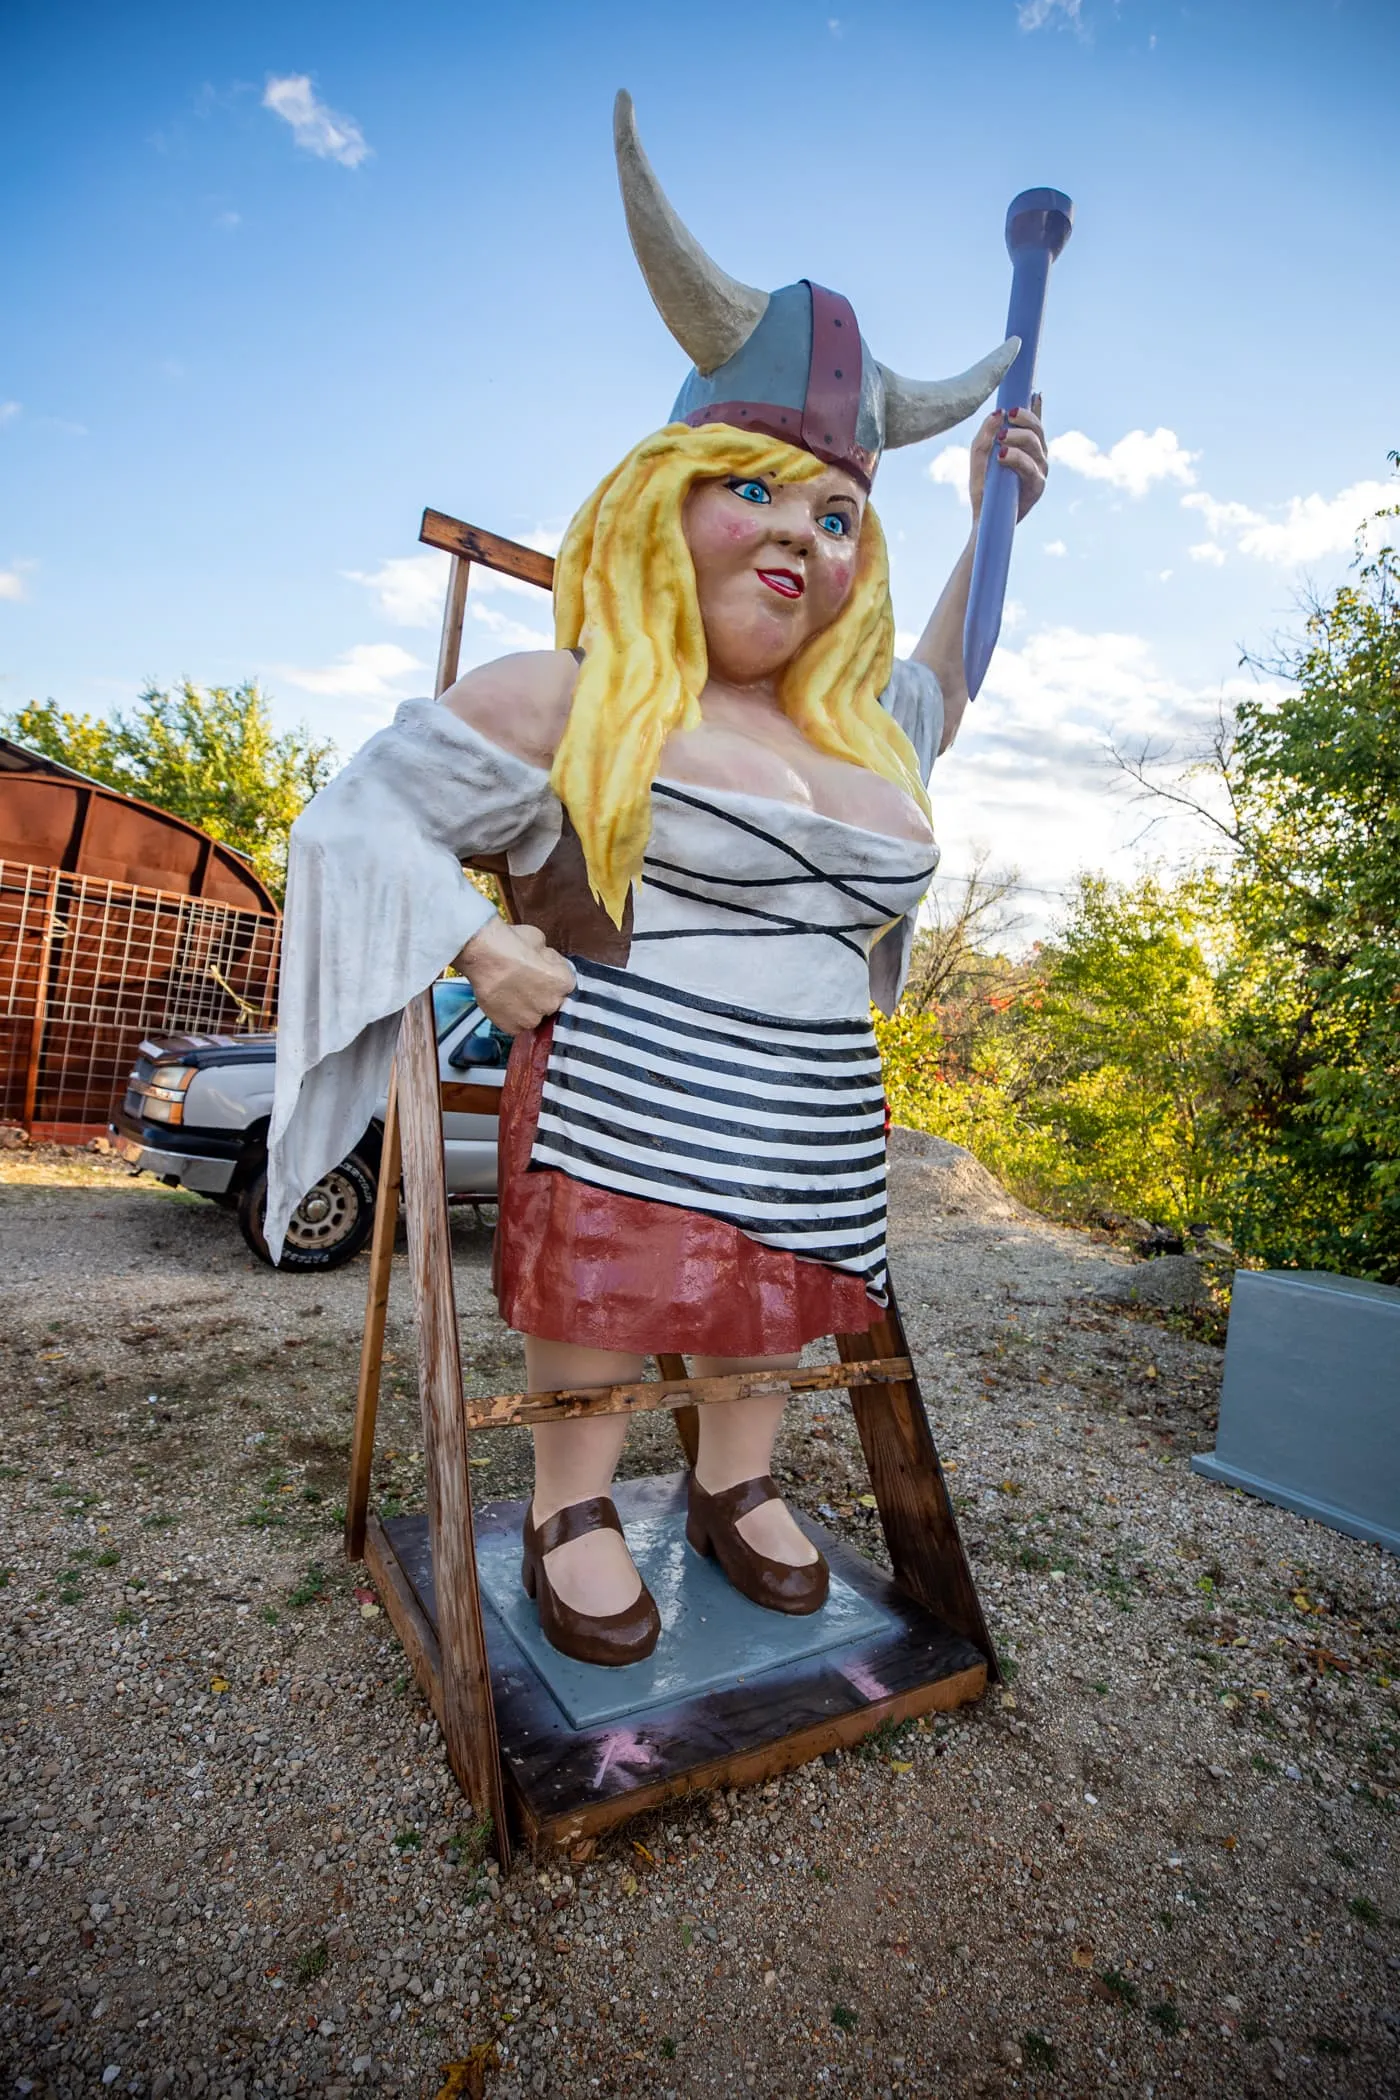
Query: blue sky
x: 279, y: 276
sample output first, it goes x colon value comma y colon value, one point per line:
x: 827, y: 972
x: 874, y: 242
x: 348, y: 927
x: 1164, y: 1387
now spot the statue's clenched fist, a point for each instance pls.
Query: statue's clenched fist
x: 517, y: 978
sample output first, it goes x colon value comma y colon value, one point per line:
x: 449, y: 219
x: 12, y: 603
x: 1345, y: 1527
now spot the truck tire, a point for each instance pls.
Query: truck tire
x: 329, y: 1226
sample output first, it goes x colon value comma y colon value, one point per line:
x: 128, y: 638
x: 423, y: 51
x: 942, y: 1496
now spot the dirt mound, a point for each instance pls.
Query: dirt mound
x: 932, y: 1173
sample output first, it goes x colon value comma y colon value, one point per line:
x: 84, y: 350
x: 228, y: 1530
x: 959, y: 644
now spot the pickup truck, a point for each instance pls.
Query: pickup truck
x: 196, y: 1113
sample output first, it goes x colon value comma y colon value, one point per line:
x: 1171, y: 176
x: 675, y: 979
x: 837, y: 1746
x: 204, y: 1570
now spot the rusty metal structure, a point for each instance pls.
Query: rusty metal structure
x: 118, y: 922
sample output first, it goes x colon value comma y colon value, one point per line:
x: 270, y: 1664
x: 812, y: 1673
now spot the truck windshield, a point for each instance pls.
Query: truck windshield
x: 452, y: 997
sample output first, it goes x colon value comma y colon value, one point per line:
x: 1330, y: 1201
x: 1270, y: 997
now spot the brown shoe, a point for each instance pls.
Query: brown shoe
x: 624, y: 1637
x: 711, y: 1525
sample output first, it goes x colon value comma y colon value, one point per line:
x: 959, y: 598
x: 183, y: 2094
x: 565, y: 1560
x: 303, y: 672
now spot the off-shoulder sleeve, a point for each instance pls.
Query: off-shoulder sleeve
x: 915, y: 699
x: 377, y: 906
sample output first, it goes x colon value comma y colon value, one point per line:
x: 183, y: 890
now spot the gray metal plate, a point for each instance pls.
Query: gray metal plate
x: 711, y: 1637
x: 1310, y: 1403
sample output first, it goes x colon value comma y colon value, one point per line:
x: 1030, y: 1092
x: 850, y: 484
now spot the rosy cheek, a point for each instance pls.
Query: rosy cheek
x: 842, y: 574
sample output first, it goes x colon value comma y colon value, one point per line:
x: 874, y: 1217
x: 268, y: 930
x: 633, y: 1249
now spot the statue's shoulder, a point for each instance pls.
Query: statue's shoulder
x: 520, y: 702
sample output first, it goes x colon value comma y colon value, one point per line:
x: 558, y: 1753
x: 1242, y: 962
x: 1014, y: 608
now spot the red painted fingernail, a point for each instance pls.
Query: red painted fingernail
x: 1001, y: 452
x: 1011, y: 411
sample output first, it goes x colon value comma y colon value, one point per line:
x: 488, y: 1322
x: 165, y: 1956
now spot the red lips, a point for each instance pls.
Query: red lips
x: 786, y: 582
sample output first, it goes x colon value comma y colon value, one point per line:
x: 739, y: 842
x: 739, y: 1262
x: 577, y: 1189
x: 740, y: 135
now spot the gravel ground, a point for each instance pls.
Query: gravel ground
x: 1162, y: 1861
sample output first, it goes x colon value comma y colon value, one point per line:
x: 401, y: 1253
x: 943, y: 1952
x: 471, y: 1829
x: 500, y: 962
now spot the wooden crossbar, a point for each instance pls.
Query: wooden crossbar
x: 472, y: 543
x: 648, y: 1394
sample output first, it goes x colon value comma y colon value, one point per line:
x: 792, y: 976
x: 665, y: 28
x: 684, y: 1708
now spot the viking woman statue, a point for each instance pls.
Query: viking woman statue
x: 711, y: 798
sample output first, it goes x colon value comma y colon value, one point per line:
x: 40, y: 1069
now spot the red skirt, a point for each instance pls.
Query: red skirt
x: 573, y: 1263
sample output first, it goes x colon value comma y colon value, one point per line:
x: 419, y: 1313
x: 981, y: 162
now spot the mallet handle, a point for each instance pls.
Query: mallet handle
x: 1038, y: 224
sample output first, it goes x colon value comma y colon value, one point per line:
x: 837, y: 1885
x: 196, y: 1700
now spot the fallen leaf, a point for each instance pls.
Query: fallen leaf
x: 898, y: 1764
x: 868, y: 1502
x: 649, y: 1857
x: 466, y: 2079
x: 1231, y: 1843
x: 369, y: 1611
x: 364, y: 1596
x: 629, y: 1884
x: 218, y: 1684
x: 1083, y: 1957
x: 583, y: 1851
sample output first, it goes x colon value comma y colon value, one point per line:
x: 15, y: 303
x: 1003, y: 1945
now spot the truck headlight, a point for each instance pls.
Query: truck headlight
x: 163, y: 1096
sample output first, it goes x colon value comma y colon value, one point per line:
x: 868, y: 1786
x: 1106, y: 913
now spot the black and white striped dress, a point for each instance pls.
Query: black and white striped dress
x: 731, y: 1068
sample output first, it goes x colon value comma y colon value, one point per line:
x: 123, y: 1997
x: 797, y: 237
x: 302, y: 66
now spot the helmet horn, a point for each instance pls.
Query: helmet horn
x: 711, y: 315
x: 921, y: 408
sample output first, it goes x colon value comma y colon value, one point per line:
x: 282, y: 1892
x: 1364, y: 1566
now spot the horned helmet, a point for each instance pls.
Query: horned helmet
x: 791, y: 364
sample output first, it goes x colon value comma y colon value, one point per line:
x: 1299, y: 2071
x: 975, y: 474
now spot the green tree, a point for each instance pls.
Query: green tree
x: 209, y: 755
x: 1126, y: 1030
x: 1314, y: 783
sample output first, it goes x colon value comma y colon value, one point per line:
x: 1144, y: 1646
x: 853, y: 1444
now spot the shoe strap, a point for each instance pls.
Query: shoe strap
x: 732, y: 1503
x: 598, y: 1513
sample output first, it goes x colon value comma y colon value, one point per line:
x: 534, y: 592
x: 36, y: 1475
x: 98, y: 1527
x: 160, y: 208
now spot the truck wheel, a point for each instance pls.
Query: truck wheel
x: 330, y: 1224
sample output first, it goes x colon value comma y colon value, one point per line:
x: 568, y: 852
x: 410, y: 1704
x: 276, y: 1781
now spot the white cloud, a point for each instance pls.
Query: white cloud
x: 949, y: 468
x: 316, y: 128
x: 229, y: 219
x: 11, y: 584
x: 8, y: 411
x: 1056, y: 547
x: 1059, y: 14
x: 1031, y: 773
x: 369, y: 671
x: 1134, y: 464
x: 1305, y: 528
x: 408, y: 589
x: 507, y: 633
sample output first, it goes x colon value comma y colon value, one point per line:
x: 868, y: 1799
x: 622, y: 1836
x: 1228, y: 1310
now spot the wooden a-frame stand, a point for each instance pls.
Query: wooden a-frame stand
x: 520, y: 1765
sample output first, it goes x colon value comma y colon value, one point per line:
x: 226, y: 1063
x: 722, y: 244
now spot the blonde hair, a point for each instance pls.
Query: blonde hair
x: 624, y: 593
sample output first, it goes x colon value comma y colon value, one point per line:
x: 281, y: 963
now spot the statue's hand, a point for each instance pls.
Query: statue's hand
x: 517, y: 978
x: 1021, y: 443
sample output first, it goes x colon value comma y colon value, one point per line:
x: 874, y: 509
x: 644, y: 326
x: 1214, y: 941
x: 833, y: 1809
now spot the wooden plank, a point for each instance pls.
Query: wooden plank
x: 916, y: 1510
x: 453, y: 613
x: 505, y: 1410
x: 508, y: 557
x: 746, y: 1767
x: 381, y: 1259
x: 468, y: 1715
x: 407, y: 1617
x: 470, y: 1098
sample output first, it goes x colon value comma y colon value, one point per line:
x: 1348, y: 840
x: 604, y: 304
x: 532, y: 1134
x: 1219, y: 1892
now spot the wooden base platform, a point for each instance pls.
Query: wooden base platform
x: 563, y: 1783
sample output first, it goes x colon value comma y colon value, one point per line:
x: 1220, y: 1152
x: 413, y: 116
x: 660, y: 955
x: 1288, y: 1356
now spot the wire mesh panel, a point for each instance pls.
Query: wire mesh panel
x: 27, y: 899
x: 89, y: 967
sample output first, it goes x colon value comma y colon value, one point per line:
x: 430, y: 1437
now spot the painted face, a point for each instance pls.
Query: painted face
x: 774, y: 564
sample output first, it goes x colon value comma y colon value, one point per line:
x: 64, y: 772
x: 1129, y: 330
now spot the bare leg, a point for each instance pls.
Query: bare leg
x: 575, y: 1460
x: 736, y: 1443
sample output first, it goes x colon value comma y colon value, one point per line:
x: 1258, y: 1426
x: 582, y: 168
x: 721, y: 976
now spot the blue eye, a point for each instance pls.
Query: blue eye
x: 836, y: 523
x: 751, y: 491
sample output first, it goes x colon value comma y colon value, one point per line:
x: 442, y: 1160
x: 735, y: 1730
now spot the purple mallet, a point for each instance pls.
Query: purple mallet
x: 1038, y: 224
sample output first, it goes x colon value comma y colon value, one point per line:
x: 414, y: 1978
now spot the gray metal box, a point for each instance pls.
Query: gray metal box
x: 1310, y: 1404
